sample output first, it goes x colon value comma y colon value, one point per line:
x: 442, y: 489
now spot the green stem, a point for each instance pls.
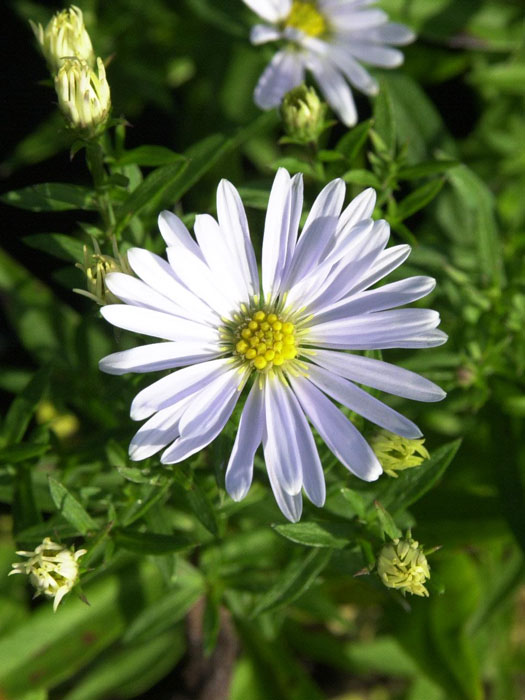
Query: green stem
x: 95, y: 161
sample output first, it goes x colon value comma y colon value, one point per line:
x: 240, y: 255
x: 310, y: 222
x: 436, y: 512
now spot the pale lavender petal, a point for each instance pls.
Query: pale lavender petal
x: 387, y: 261
x: 156, y: 357
x: 276, y: 228
x: 376, y: 55
x: 387, y: 297
x: 176, y: 386
x: 239, y: 471
x: 362, y: 402
x: 283, y: 73
x: 391, y: 33
x: 262, y: 33
x: 313, y: 476
x: 339, y: 433
x: 354, y: 72
x: 183, y: 448
x: 373, y: 331
x: 379, y: 375
x: 133, y: 291
x: 346, y: 18
x: 161, y: 429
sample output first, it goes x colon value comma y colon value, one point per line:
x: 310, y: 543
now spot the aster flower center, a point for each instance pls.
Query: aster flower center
x: 305, y: 16
x: 262, y: 339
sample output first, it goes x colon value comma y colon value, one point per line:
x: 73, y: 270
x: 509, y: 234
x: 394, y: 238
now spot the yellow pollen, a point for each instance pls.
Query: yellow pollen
x: 305, y: 16
x: 264, y: 340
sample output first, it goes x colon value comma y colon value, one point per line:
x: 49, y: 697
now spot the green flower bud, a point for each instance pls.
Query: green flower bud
x: 396, y: 453
x: 303, y: 114
x: 96, y: 266
x: 402, y: 564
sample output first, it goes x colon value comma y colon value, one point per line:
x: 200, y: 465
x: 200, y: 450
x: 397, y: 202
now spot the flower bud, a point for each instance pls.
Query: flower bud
x: 303, y: 114
x: 83, y: 95
x: 396, y: 453
x: 96, y: 266
x: 402, y: 564
x: 65, y: 37
x: 52, y: 569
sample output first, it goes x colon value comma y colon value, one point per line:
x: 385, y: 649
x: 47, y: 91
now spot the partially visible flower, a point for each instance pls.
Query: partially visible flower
x: 402, y: 564
x: 52, y: 569
x: 330, y: 38
x: 287, y: 333
x: 64, y: 37
x: 303, y: 114
x: 83, y: 95
x: 64, y: 425
x: 96, y: 266
x: 397, y: 453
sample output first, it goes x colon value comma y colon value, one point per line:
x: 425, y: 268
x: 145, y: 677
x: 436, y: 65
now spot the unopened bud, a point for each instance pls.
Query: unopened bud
x: 65, y: 37
x: 95, y: 267
x: 402, y: 564
x: 83, y: 95
x: 52, y: 569
x: 396, y: 453
x: 303, y: 114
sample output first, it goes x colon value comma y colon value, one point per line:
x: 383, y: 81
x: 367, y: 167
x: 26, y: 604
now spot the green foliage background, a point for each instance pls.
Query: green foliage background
x: 168, y: 551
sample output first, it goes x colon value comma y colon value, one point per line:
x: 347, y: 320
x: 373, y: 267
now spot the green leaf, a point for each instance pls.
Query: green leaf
x: 149, y: 156
x: 70, y: 508
x: 318, y: 534
x: 146, y: 543
x: 361, y: 177
x: 167, y: 611
x: 295, y: 165
x: 58, y: 245
x: 478, y: 201
x: 20, y: 453
x: 295, y: 580
x: 25, y: 509
x: 51, y: 196
x: 412, y: 484
x: 386, y: 522
x: 351, y: 143
x: 432, y: 167
x: 384, y: 122
x: 21, y: 410
x: 148, y: 192
x: 418, y: 199
x: 254, y: 197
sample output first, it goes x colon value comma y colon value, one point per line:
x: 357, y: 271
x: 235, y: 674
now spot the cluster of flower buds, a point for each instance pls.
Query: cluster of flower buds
x: 80, y: 78
x: 52, y: 569
x: 396, y: 453
x: 402, y: 564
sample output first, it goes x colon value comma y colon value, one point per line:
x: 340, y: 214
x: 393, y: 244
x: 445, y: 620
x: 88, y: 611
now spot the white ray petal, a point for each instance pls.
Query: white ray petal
x: 133, y: 291
x: 313, y: 476
x: 176, y: 386
x: 175, y: 233
x: 157, y: 324
x: 262, y: 33
x: 379, y: 375
x: 276, y: 229
x: 283, y: 73
x: 156, y: 357
x: 183, y: 448
x: 376, y: 55
x: 391, y: 33
x: 239, y: 471
x: 387, y: 297
x: 234, y: 225
x: 341, y: 436
x: 334, y: 88
x: 161, y: 429
x: 354, y: 72
x: 280, y: 447
x: 270, y: 10
x: 385, y: 263
x: 158, y: 274
x: 362, y: 403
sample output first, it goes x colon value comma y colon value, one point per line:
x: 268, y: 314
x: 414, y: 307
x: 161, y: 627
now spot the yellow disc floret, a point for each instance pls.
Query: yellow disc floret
x: 264, y: 340
x: 305, y: 16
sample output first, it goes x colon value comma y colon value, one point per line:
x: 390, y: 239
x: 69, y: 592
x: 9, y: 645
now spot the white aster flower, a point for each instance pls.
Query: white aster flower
x: 52, y: 569
x: 330, y: 38
x: 289, y: 333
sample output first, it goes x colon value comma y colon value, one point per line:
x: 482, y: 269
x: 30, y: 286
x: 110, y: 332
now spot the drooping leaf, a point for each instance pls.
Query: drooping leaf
x: 51, y: 196
x: 70, y: 508
x: 318, y: 533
